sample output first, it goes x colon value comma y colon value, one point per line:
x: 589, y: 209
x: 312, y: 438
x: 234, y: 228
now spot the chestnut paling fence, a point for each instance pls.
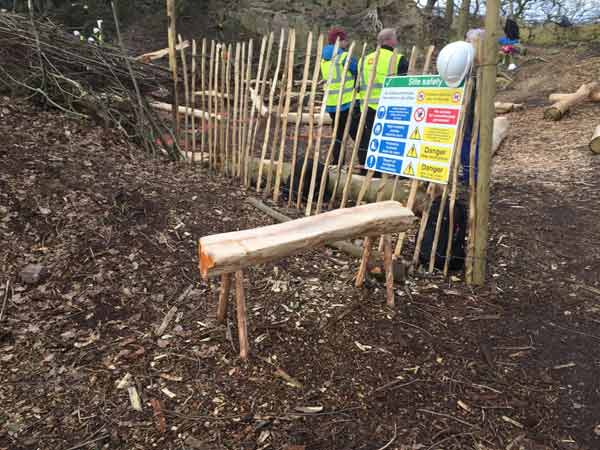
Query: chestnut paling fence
x: 254, y: 113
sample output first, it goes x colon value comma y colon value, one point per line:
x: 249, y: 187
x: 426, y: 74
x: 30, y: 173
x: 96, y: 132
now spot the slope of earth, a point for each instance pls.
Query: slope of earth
x: 546, y: 233
x: 509, y: 366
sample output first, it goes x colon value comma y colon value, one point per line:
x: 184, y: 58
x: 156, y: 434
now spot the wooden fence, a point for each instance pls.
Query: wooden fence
x: 254, y: 112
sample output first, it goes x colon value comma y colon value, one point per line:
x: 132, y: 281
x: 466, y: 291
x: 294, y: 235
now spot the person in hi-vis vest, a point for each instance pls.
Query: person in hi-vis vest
x: 387, y: 40
x: 329, y: 63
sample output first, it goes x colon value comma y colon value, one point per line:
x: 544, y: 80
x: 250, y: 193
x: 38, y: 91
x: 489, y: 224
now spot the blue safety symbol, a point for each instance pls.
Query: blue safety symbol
x: 374, y: 145
x: 371, y: 161
x: 381, y: 112
x: 378, y: 128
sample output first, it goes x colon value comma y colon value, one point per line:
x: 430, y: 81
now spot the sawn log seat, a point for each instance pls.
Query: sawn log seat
x: 227, y: 253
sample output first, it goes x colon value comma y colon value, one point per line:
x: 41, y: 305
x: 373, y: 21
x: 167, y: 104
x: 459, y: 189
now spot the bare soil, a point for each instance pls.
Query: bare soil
x: 511, y: 365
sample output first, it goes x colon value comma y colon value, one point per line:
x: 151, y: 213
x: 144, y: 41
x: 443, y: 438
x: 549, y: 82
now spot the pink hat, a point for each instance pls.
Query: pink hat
x: 334, y: 33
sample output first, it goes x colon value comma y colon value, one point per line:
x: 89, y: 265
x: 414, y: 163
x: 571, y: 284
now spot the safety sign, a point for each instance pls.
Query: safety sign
x: 415, y: 128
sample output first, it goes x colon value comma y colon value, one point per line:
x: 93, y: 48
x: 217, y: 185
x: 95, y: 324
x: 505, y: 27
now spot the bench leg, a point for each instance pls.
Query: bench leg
x: 223, y: 297
x: 240, y: 297
x: 389, y: 270
x: 362, y: 270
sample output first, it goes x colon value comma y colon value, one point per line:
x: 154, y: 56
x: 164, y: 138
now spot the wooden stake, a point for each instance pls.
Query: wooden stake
x: 299, y: 112
x: 311, y: 110
x: 474, y: 138
x: 220, y: 101
x: 261, y: 78
x: 487, y: 113
x: 186, y: 90
x: 245, y: 116
x: 286, y: 110
x: 336, y: 124
x: 235, y: 137
x: 472, y: 185
x: 210, y: 103
x: 412, y: 62
x: 389, y: 270
x: 362, y: 269
x: 342, y: 158
x: 313, y: 179
x: 193, y: 99
x: 217, y: 107
x: 202, y: 100
x: 239, y: 123
x: 367, y: 180
x: 361, y: 127
x: 278, y: 114
x: 226, y: 106
x: 240, y: 298
x: 453, y: 170
x: 269, y: 111
x: 223, y: 297
x: 428, y: 56
x: 218, y: 111
x: 172, y: 36
x: 431, y: 190
x: 414, y: 185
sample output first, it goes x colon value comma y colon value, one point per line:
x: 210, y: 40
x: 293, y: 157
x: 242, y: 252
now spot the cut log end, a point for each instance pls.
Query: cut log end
x: 553, y: 114
x: 595, y: 145
x: 206, y: 262
x: 595, y: 142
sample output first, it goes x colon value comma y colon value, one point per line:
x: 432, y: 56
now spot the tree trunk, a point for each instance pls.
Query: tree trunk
x: 463, y: 19
x: 449, y: 13
x: 429, y: 7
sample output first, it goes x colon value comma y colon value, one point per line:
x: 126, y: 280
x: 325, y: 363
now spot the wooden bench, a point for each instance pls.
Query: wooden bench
x: 227, y: 253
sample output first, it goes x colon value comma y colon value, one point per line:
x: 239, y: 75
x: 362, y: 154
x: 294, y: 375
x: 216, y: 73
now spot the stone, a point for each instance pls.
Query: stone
x: 34, y: 273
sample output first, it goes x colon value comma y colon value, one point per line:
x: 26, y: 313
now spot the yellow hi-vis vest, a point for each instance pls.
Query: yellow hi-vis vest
x: 335, y: 87
x: 382, y: 70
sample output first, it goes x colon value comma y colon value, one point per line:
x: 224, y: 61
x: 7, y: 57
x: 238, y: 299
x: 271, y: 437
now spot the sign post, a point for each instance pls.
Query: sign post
x: 415, y: 128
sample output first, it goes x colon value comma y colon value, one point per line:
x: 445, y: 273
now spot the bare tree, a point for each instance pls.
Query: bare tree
x: 449, y: 12
x: 463, y: 19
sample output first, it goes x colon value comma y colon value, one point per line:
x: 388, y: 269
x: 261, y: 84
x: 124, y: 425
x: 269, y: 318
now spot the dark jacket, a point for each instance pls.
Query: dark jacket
x: 511, y: 30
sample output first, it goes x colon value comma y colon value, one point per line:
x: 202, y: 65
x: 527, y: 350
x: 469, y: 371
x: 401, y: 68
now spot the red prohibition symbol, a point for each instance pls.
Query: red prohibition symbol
x: 419, y: 114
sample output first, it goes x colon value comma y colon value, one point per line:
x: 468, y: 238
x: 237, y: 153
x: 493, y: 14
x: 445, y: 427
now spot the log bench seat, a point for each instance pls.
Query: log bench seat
x: 227, y: 253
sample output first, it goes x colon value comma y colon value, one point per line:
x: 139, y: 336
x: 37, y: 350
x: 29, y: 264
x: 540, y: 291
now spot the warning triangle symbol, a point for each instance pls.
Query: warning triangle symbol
x: 416, y: 134
x: 412, y: 152
x: 409, y: 170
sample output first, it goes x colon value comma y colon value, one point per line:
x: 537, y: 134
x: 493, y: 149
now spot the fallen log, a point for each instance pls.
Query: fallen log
x: 230, y: 252
x: 305, y: 118
x: 184, y: 110
x: 259, y: 106
x: 501, y: 126
x: 503, y: 108
x: 593, y: 97
x: 211, y: 94
x: 159, y: 54
x: 560, y: 108
x: 595, y: 141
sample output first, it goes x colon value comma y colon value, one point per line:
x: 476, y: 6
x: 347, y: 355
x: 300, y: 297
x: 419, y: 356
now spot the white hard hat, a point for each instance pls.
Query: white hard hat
x: 454, y: 62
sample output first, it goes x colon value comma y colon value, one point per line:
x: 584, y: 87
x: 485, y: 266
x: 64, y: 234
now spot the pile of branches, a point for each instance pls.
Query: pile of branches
x: 83, y: 79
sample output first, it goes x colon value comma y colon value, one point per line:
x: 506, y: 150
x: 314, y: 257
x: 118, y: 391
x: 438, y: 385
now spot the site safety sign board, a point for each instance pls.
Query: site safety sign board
x: 415, y: 128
